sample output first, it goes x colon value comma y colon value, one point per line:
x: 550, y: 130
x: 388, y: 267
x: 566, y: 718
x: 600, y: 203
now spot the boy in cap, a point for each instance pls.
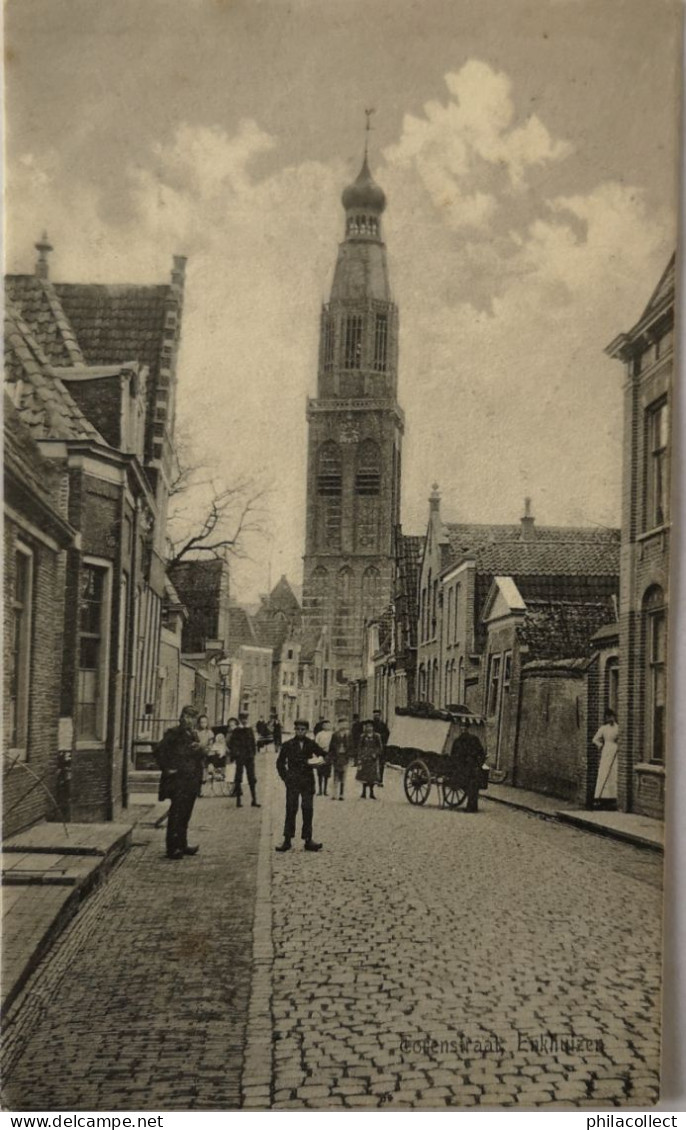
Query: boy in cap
x: 295, y: 765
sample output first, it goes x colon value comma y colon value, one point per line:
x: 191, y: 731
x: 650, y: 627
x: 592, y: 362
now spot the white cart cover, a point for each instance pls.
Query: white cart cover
x: 427, y: 734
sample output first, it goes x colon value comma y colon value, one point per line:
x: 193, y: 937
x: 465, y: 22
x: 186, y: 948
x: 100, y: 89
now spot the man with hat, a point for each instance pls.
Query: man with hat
x: 242, y: 749
x: 180, y: 757
x: 295, y: 765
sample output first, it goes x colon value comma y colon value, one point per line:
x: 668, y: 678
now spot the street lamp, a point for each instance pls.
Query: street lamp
x: 224, y: 668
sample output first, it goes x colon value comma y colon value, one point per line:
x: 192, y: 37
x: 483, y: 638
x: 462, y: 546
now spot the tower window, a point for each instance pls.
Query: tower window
x: 329, y: 488
x: 353, y: 342
x: 328, y: 343
x: 380, y: 343
x: 329, y: 478
x: 368, y: 474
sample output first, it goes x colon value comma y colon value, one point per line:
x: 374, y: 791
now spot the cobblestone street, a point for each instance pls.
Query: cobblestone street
x: 499, y: 936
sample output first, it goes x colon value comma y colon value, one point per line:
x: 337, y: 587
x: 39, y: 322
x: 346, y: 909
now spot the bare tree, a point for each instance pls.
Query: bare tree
x: 207, y: 517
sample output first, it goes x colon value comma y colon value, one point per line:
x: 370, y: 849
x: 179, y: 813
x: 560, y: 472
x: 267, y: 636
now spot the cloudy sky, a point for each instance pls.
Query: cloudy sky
x: 527, y: 149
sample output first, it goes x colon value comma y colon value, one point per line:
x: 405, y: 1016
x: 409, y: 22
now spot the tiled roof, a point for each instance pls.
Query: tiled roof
x: 501, y: 549
x: 271, y: 630
x: 22, y: 457
x: 117, y: 323
x: 241, y: 632
x: 562, y: 629
x: 38, y: 304
x: 45, y: 405
x: 311, y: 638
x: 283, y: 597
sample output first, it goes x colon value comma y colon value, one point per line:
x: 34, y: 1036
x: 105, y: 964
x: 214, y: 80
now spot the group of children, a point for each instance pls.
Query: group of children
x: 361, y: 745
x: 341, y: 746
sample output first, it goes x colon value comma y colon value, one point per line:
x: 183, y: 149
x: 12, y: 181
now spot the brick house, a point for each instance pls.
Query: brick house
x: 37, y: 538
x: 278, y: 625
x: 391, y: 638
x: 647, y: 351
x: 203, y: 587
x: 459, y: 564
x: 91, y: 373
x: 538, y: 678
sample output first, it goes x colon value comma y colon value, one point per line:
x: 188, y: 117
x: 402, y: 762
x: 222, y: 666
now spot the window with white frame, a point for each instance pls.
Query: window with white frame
x: 656, y: 467
x: 93, y: 653
x: 493, y: 686
x: 20, y: 674
x: 655, y: 636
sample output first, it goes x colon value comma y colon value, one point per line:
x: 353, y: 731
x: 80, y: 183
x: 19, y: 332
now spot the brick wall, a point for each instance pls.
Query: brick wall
x: 552, y: 755
x: 24, y: 801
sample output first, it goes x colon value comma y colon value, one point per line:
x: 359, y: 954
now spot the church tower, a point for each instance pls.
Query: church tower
x: 355, y: 428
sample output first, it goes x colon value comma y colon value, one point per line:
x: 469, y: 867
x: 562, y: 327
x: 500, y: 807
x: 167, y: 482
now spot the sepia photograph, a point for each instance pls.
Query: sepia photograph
x: 340, y: 347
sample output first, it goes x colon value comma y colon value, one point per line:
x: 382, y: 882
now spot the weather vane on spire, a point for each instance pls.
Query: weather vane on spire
x: 368, y: 125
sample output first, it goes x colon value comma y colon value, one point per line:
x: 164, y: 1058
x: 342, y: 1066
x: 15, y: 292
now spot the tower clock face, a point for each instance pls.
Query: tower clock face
x: 349, y: 432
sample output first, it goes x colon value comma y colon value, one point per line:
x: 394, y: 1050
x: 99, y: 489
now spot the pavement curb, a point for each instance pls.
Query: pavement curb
x: 78, y: 894
x: 571, y: 818
x: 610, y: 833
x: 258, y: 1066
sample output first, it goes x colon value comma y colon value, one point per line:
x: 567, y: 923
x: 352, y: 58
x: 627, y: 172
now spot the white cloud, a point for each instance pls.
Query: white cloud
x: 450, y: 144
x: 506, y: 301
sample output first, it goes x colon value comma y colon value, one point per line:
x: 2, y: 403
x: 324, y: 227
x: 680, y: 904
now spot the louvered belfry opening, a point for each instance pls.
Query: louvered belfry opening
x: 368, y: 476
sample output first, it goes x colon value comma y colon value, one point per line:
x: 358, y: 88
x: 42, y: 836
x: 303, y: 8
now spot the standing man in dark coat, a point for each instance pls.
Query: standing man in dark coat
x: 180, y: 757
x: 242, y: 749
x: 381, y: 729
x: 469, y: 754
x: 297, y: 774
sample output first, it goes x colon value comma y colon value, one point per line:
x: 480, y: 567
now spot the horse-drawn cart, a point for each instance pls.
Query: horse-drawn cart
x: 425, y: 745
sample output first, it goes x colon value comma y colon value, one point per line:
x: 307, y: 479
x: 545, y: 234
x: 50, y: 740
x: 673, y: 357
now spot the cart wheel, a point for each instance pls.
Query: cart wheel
x: 417, y: 782
x: 453, y: 795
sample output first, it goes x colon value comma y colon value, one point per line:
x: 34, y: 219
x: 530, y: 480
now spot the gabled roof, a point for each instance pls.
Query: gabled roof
x: 503, y: 596
x: 665, y: 289
x: 38, y: 304
x: 45, y: 405
x: 117, y: 323
x: 283, y: 597
x: 410, y: 553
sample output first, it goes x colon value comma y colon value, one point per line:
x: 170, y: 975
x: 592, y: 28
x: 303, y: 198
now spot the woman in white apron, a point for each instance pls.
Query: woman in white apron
x: 606, y: 741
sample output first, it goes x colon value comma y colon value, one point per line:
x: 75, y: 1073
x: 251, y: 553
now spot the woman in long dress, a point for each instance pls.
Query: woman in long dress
x: 606, y: 741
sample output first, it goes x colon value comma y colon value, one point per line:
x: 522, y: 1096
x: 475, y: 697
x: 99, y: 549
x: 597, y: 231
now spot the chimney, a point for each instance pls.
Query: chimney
x: 434, y: 500
x: 43, y: 247
x: 527, y: 521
